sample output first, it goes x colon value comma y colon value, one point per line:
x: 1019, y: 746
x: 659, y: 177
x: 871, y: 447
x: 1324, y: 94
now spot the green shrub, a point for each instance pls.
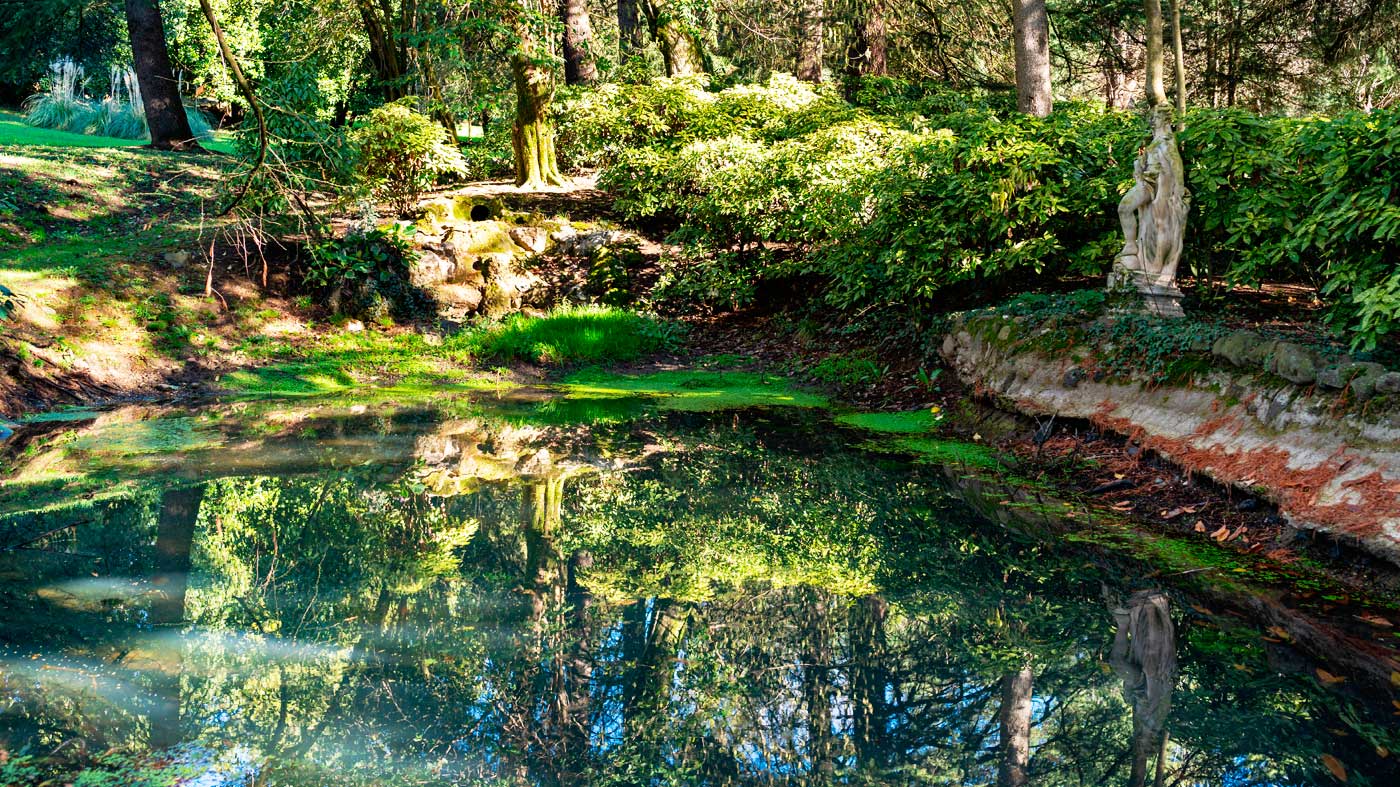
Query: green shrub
x: 599, y: 125
x: 401, y: 153
x: 367, y: 274
x: 360, y: 255
x: 1303, y: 200
x: 583, y: 333
x: 490, y: 156
x: 915, y: 189
x: 985, y: 197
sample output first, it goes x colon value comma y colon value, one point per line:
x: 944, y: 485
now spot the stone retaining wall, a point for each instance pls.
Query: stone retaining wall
x: 1322, y: 442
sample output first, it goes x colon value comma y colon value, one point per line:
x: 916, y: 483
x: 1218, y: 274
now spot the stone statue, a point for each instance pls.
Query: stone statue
x: 1153, y: 214
x: 1144, y: 656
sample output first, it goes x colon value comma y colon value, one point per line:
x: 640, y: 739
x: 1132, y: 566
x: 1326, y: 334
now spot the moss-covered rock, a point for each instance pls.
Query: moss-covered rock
x: 1294, y: 363
x: 1337, y: 376
x: 1241, y: 348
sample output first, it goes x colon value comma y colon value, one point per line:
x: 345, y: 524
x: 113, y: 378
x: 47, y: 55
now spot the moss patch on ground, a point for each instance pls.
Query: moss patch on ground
x: 909, y: 422
x: 589, y: 334
x: 693, y: 390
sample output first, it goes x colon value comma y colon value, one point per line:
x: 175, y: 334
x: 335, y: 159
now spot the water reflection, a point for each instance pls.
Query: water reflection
x: 452, y: 594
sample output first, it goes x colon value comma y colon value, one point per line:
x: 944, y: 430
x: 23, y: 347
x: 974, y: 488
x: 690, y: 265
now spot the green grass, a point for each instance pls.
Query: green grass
x: 588, y: 334
x: 14, y: 131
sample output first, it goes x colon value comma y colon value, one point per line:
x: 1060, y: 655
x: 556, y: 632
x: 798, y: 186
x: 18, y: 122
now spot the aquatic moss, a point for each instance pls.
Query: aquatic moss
x: 910, y: 422
x: 931, y: 450
x: 692, y: 390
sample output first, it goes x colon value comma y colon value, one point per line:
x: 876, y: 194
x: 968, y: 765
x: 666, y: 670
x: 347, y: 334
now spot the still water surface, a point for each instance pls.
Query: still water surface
x: 526, y: 589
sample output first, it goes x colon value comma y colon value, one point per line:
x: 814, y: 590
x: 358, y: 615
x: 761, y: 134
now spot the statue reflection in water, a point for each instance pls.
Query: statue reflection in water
x: 1144, y: 657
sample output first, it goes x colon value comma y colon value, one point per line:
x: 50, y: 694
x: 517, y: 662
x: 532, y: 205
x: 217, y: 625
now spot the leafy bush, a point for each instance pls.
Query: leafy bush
x: 599, y: 125
x: 1310, y: 200
x: 985, y: 197
x: 401, y: 153
x: 913, y: 189
x: 490, y: 156
x: 367, y: 272
x: 359, y: 255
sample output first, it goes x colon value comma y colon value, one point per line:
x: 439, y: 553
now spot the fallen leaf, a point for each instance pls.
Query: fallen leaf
x: 1205, y: 611
x: 1336, y: 767
x: 1279, y: 632
x: 1375, y: 620
x: 1238, y: 531
x: 1328, y: 678
x: 1221, y: 534
x: 1395, y: 681
x: 1382, y: 752
x: 1200, y: 526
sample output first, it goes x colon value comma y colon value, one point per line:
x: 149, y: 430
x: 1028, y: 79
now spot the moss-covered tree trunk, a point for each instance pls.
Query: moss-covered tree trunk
x: 680, y: 45
x: 536, y: 164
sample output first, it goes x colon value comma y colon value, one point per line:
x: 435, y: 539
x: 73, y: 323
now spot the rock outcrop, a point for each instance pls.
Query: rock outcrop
x: 475, y: 256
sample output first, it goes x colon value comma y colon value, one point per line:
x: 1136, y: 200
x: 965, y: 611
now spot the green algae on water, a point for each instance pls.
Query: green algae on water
x: 909, y: 422
x: 692, y: 390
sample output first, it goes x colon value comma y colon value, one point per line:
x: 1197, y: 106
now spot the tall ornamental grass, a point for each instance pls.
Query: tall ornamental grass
x: 63, y: 106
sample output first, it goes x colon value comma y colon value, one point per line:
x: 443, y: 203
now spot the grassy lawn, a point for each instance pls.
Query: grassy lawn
x: 14, y: 131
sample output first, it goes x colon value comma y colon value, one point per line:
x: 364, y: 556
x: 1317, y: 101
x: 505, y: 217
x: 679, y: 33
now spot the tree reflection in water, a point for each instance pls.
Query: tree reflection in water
x: 719, y: 600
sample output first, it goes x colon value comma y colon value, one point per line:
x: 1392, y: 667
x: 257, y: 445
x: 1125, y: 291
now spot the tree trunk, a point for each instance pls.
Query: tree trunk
x: 869, y: 710
x: 631, y: 36
x: 1121, y: 70
x: 1015, y: 720
x: 160, y: 93
x: 810, y: 35
x: 383, y: 52
x: 1180, y: 65
x: 579, y: 65
x: 817, y: 685
x: 1156, y: 89
x: 680, y: 47
x: 1032, y: 32
x: 876, y: 37
x: 179, y: 510
x: 536, y: 164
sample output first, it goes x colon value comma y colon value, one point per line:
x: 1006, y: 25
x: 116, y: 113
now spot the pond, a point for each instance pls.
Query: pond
x: 546, y: 587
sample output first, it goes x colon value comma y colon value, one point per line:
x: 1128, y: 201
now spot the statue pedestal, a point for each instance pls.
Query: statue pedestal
x: 1163, y: 300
